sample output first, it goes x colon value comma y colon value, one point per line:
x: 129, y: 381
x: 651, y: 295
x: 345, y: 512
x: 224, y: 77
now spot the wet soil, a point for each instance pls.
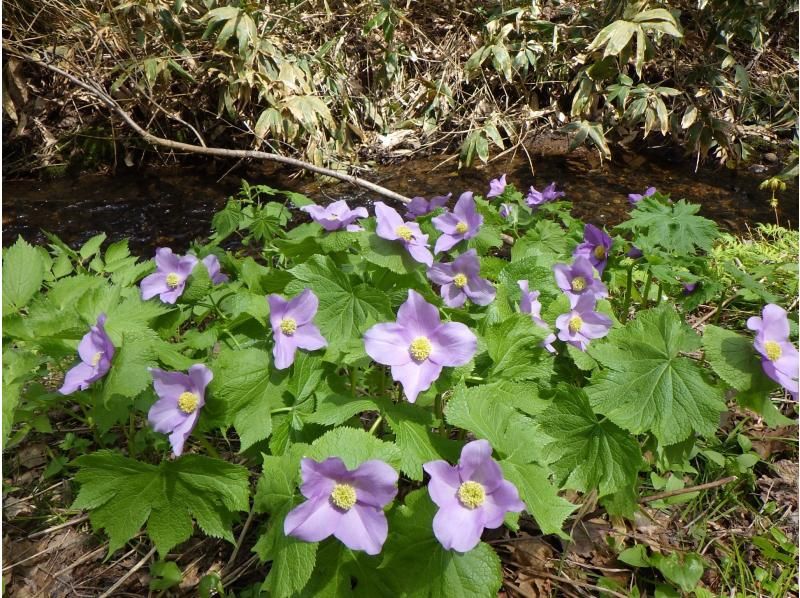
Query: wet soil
x: 161, y: 206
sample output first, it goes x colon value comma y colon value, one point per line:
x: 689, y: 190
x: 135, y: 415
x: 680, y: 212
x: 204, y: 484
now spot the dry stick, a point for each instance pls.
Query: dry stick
x: 69, y: 523
x: 111, y: 103
x: 124, y: 578
x: 241, y: 537
x: 679, y: 491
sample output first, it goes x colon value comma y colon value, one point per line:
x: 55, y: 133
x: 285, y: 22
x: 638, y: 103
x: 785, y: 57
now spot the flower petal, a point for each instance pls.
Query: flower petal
x: 303, y: 307
x: 480, y: 291
x: 308, y: 337
x: 277, y: 310
x: 283, y: 351
x: 453, y: 344
x: 79, y: 377
x: 312, y: 521
x: 164, y: 416
x: 181, y: 432
x: 444, y: 484
x: 476, y: 464
x: 375, y: 483
x: 504, y: 498
x: 170, y: 385
x: 458, y: 528
x: 153, y: 285
x: 416, y: 377
x: 441, y: 274
x: 420, y: 252
x: 418, y: 316
x: 319, y: 478
x: 452, y: 295
x: 388, y: 344
x: 363, y: 528
x: 446, y: 242
x: 387, y: 221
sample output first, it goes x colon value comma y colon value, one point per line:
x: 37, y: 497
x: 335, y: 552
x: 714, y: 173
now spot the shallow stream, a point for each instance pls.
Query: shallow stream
x: 171, y: 206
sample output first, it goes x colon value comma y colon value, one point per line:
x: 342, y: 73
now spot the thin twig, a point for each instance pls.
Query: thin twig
x: 110, y: 591
x: 687, y: 490
x: 241, y: 537
x: 55, y: 528
x: 111, y: 103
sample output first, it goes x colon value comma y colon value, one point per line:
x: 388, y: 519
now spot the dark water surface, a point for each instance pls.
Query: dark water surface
x: 161, y: 206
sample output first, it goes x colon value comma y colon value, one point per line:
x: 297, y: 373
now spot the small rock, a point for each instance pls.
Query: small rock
x: 771, y: 157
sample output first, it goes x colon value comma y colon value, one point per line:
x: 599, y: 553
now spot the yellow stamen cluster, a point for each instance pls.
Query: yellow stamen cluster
x: 460, y: 280
x: 96, y: 358
x: 600, y: 252
x: 773, y: 350
x: 575, y: 323
x: 420, y: 348
x: 173, y: 280
x: 404, y: 233
x: 461, y: 228
x: 288, y: 326
x: 578, y: 284
x: 471, y: 494
x: 187, y: 402
x: 343, y: 496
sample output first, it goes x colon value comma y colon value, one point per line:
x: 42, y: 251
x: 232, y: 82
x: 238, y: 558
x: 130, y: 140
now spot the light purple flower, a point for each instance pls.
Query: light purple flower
x: 96, y: 351
x: 529, y: 304
x: 392, y: 227
x: 169, y: 279
x: 336, y: 216
x: 505, y: 210
x: 496, y: 187
x: 471, y: 496
x: 180, y: 398
x: 419, y: 206
x: 460, y: 224
x: 460, y: 281
x: 582, y: 324
x: 343, y: 503
x: 635, y: 198
x: 595, y: 247
x: 536, y: 198
x: 779, y: 357
x: 578, y: 280
x: 690, y: 287
x: 293, y: 327
x: 418, y: 345
x: 634, y: 252
x: 211, y: 263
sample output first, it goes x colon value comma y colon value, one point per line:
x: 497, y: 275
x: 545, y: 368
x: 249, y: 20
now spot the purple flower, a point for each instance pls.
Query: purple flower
x: 690, y: 287
x: 634, y: 252
x: 343, y: 503
x: 779, y: 357
x: 392, y: 227
x: 496, y: 187
x: 211, y: 263
x: 180, y: 398
x: 471, y: 496
x: 463, y: 223
x: 96, y: 351
x: 418, y: 345
x: 578, y: 280
x: 529, y: 304
x: 635, y: 198
x: 505, y: 210
x: 336, y: 216
x: 419, y: 206
x: 595, y: 246
x: 293, y: 327
x: 460, y: 281
x: 536, y: 198
x: 582, y: 324
x: 170, y: 276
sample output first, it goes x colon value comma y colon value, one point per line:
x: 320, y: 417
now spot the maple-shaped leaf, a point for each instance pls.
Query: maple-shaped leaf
x: 645, y: 384
x: 585, y: 452
x: 673, y: 227
x: 123, y: 494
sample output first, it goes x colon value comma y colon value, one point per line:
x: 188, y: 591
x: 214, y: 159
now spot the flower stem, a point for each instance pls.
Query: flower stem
x: 646, y: 294
x: 626, y: 304
x: 438, y: 406
x: 376, y: 424
x: 131, y: 435
x: 207, y: 445
x: 353, y: 381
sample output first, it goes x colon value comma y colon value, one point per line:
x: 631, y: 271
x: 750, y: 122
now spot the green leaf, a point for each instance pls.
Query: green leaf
x: 539, y: 495
x: 164, y: 575
x: 122, y: 494
x: 514, y: 348
x: 243, y: 393
x: 334, y: 410
x: 353, y: 446
x: 585, y: 453
x: 23, y: 273
x: 646, y: 385
x: 128, y: 375
x: 412, y: 547
x: 92, y: 246
x: 685, y: 570
x: 344, y: 309
x: 387, y: 254
x: 674, y: 227
x: 732, y: 357
x: 509, y: 432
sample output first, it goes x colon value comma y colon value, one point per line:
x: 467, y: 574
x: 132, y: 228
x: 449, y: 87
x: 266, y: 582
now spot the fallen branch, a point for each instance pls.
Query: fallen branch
x: 98, y: 93
x: 687, y: 490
